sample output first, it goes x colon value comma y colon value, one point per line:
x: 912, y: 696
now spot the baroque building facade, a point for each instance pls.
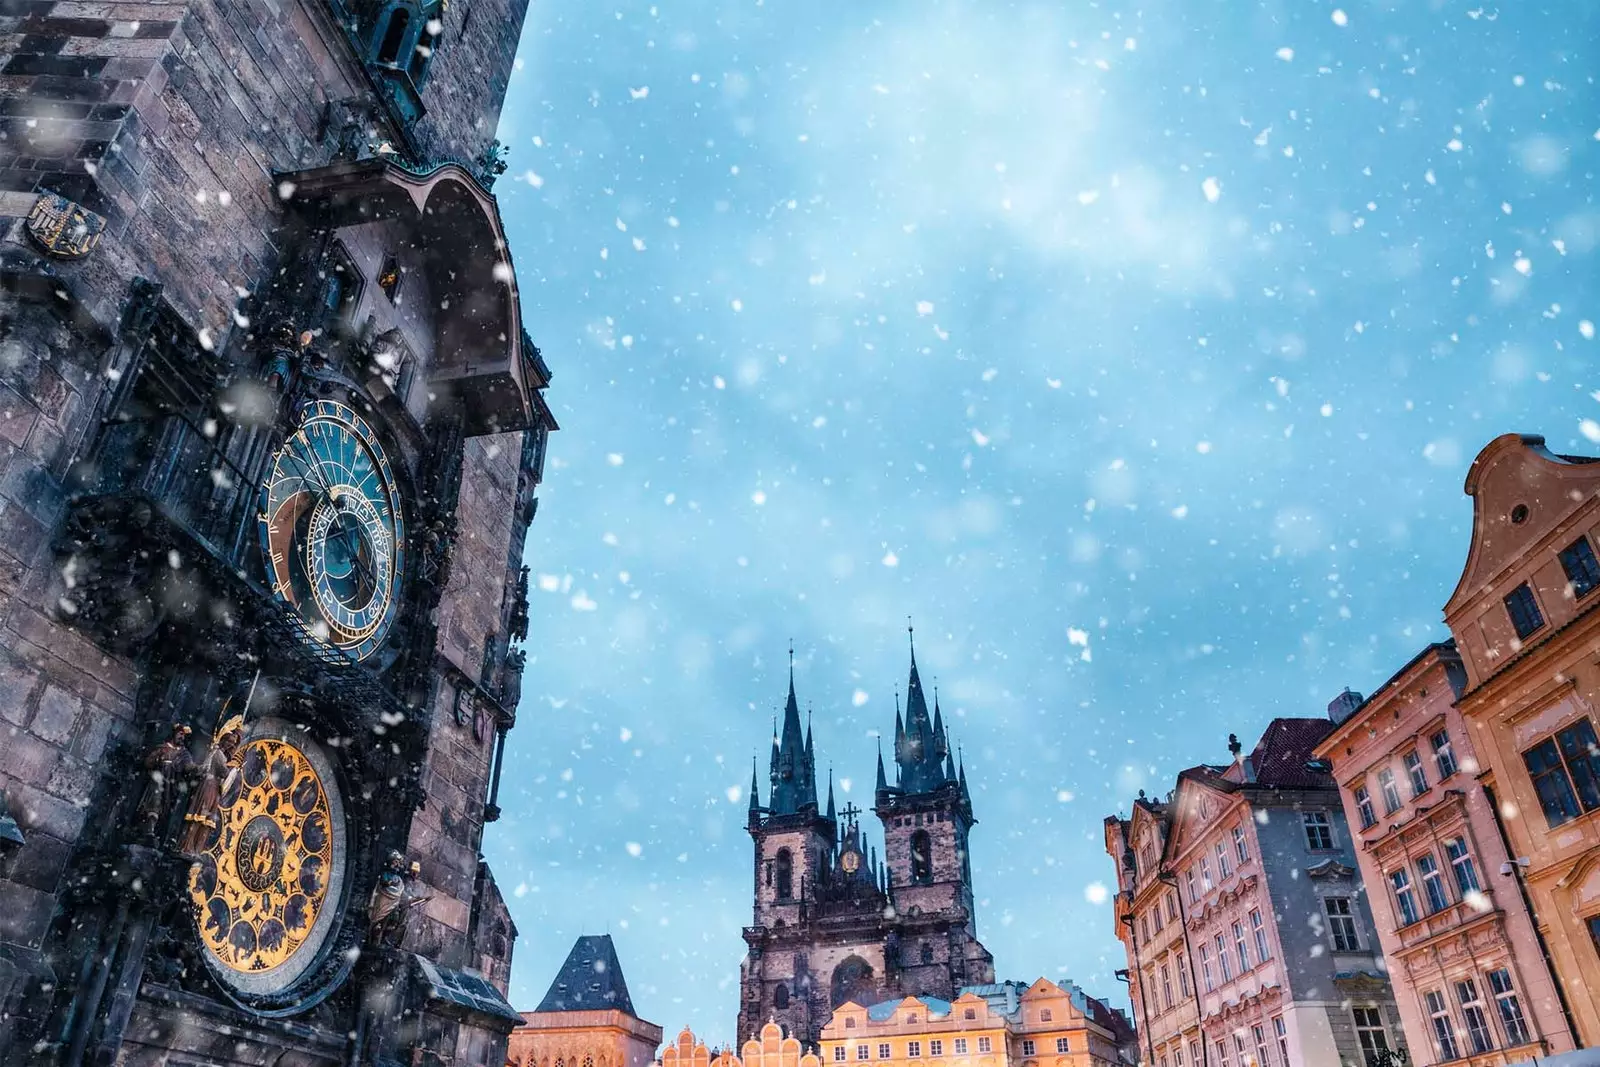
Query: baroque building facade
x: 270, y: 435
x: 586, y: 1018
x: 1469, y: 972
x: 1215, y: 885
x: 1000, y: 1024
x: 1525, y: 627
x: 834, y: 922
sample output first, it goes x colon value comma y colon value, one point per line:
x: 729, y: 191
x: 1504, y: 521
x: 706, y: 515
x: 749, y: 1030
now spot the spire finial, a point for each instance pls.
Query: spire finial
x: 911, y: 637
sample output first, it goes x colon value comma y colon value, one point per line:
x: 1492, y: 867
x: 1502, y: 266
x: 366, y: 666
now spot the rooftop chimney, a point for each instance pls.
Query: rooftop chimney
x: 1343, y: 706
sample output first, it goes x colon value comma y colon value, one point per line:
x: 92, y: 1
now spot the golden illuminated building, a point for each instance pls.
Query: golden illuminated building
x: 1005, y: 1024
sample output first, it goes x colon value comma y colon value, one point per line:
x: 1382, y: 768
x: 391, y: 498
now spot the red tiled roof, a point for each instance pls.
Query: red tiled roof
x: 1280, y: 756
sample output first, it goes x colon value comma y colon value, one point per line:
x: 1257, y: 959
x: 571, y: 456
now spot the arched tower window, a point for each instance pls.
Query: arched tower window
x: 852, y: 980
x: 423, y: 53
x: 394, y: 36
x: 780, y: 996
x: 785, y: 874
x: 921, y: 858
x: 927, y: 952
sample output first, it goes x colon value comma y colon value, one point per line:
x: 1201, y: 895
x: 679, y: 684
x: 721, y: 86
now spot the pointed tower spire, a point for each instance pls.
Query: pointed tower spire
x: 941, y: 738
x: 755, y: 788
x: 833, y: 816
x: 949, y: 762
x: 809, y: 788
x: 962, y: 774
x: 921, y: 764
x: 883, y: 782
x: 790, y: 782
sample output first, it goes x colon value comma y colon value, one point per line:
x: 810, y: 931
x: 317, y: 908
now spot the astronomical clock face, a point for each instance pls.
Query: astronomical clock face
x: 267, y: 888
x: 332, y: 530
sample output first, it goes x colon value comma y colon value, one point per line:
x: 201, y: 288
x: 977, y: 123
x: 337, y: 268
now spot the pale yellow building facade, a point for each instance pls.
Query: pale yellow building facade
x: 1000, y: 1025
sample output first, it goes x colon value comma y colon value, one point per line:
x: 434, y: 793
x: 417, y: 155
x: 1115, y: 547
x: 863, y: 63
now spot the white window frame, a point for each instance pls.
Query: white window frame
x: 1258, y: 927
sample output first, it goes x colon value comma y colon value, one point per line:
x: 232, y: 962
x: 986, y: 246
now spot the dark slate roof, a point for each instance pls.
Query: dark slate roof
x: 1280, y: 756
x: 590, y: 980
x: 465, y: 992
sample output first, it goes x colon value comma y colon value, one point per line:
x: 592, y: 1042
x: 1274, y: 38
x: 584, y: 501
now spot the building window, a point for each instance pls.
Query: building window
x: 1194, y: 1054
x: 1046, y: 1016
x: 1223, y: 963
x: 1364, y: 810
x: 1444, y: 756
x: 1260, y: 1034
x: 1172, y: 907
x: 785, y: 872
x: 862, y: 1052
x: 1461, y: 863
x: 1061, y: 1045
x: 1224, y: 868
x: 1205, y: 875
x: 985, y: 1045
x: 1194, y: 894
x: 1566, y: 772
x: 1390, y: 791
x: 1371, y: 1036
x: 1222, y: 1054
x: 1432, y: 883
x: 1240, y: 947
x: 780, y: 996
x: 1177, y: 1056
x: 921, y: 858
x: 1583, y: 571
x: 1241, y: 845
x: 1281, y: 1033
x: 927, y: 952
x: 1166, y: 987
x: 1405, y: 898
x: 1341, y: 924
x: 961, y: 1046
x: 1027, y: 1047
x: 1472, y: 1014
x: 1510, y: 1008
x: 341, y: 287
x: 389, y: 274
x: 838, y: 1053
x: 1524, y: 611
x: 394, y: 36
x: 1155, y: 917
x: 883, y: 1051
x: 1239, y: 1047
x: 1444, y: 1034
x: 970, y: 1013
x: 1319, y: 831
x: 1205, y: 969
x: 913, y: 1049
x: 850, y: 1022
x: 1144, y: 927
x: 1419, y: 779
x: 1259, y: 928
x: 1183, y: 974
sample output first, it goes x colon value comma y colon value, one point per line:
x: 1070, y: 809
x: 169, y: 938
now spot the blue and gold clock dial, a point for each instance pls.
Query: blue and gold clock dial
x: 332, y: 531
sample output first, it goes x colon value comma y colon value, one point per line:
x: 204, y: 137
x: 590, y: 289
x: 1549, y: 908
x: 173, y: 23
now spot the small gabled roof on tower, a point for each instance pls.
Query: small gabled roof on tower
x: 590, y: 980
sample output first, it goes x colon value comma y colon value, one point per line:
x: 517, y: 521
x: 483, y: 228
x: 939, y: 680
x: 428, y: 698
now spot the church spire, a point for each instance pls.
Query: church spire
x: 791, y: 759
x: 921, y: 763
x: 833, y: 816
x: 755, y: 789
x: 883, y: 782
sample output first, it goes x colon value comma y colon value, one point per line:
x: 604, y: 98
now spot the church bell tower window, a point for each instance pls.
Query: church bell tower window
x: 921, y: 858
x: 785, y: 872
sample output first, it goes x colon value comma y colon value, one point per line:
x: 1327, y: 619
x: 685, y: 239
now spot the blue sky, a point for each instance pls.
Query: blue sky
x: 1137, y: 352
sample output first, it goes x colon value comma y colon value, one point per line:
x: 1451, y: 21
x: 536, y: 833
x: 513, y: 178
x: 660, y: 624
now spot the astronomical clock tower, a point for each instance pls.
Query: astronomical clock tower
x: 835, y: 920
x: 271, y: 431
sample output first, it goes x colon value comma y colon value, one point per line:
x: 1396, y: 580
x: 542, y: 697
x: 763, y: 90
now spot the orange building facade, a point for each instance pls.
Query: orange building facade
x: 1468, y: 971
x: 1525, y: 625
x: 1003, y: 1024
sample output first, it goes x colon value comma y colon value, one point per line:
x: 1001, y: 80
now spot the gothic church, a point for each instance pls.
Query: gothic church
x: 834, y: 920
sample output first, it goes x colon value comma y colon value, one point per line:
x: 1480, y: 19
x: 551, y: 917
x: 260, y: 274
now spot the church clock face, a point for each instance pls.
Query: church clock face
x: 332, y: 529
x: 267, y: 889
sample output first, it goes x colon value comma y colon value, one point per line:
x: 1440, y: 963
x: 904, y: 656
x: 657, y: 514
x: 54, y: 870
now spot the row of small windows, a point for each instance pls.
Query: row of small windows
x: 1583, y: 577
x: 1444, y: 763
x: 1227, y: 955
x: 935, y: 1048
x: 1475, y: 1014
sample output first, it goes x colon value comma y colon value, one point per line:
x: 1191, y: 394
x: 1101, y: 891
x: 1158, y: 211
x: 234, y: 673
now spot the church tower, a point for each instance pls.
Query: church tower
x: 926, y: 812
x: 833, y: 923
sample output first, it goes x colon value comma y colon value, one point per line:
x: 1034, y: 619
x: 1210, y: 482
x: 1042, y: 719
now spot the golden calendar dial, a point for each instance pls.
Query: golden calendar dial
x: 264, y: 882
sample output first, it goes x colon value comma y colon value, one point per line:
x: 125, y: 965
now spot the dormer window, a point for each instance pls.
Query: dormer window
x: 1583, y: 571
x: 394, y: 37
x: 1526, y: 618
